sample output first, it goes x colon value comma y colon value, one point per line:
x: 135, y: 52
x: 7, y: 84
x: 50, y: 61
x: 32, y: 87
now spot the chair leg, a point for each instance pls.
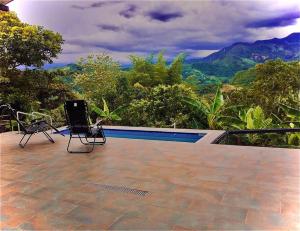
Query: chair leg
x: 88, y: 143
x: 23, y: 145
x: 98, y: 142
x: 68, y: 148
x: 69, y: 144
x: 48, y: 137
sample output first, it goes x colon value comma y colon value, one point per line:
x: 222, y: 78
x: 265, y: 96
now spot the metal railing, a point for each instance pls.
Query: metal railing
x: 253, y: 131
x: 33, y: 115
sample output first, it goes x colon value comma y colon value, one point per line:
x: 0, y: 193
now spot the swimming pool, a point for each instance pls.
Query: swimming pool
x: 150, y: 135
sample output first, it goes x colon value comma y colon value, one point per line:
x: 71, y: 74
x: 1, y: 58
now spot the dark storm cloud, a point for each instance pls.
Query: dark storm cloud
x: 283, y: 20
x: 129, y: 12
x: 164, y: 16
x: 108, y: 27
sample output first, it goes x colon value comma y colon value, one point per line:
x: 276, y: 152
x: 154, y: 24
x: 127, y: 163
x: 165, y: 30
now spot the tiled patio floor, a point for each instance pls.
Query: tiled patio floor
x: 191, y: 186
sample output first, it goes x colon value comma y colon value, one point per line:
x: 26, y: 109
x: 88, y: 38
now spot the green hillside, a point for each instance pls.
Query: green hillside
x: 241, y: 56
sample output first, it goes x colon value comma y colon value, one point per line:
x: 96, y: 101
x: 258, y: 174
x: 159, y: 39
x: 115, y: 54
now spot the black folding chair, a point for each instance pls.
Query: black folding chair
x: 78, y: 123
x: 36, y: 126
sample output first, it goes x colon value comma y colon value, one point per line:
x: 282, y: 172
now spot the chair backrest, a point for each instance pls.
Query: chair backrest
x: 77, y: 116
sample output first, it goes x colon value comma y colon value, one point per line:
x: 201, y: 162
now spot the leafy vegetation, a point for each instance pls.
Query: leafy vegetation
x: 152, y: 91
x: 213, y: 111
x: 105, y: 114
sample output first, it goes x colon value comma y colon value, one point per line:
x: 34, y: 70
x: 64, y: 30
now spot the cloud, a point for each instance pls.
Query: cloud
x: 281, y: 21
x: 129, y: 12
x: 108, y: 27
x: 141, y: 27
x: 96, y: 5
x: 104, y: 3
x: 164, y: 16
x: 78, y: 7
x: 200, y: 53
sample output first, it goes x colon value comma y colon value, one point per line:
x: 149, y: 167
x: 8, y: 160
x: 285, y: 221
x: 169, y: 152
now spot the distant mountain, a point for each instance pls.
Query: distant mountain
x: 71, y: 67
x: 54, y: 65
x: 240, y: 56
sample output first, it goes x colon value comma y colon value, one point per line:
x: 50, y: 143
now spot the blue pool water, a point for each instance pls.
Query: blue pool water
x: 150, y: 135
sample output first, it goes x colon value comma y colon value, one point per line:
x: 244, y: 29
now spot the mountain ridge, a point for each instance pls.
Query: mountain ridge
x: 243, y: 55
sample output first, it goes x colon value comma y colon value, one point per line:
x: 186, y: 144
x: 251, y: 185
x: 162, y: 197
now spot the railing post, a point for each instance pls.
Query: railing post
x: 18, y: 123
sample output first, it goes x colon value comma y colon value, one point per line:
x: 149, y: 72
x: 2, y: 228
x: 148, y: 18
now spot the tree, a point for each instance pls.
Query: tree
x: 160, y: 68
x: 175, y: 71
x: 149, y: 73
x: 124, y: 91
x: 161, y: 107
x: 28, y: 45
x: 97, y: 78
x: 24, y: 44
x: 33, y: 89
x: 276, y: 82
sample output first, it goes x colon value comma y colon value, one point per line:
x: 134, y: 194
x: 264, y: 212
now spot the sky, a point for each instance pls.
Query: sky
x: 121, y: 28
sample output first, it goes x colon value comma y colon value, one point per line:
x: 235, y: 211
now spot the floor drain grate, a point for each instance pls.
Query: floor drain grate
x: 123, y: 189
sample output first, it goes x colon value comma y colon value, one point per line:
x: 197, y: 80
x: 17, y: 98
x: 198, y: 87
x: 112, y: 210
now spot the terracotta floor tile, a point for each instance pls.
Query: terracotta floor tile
x: 57, y: 207
x: 218, y: 212
x: 200, y: 194
x: 288, y: 207
x: 44, y: 221
x: 25, y: 202
x: 194, y: 221
x: 47, y: 193
x: 94, y: 217
x: 271, y: 220
x: 257, y: 201
x: 163, y: 200
x: 11, y: 174
x: 146, y: 218
x: 11, y: 217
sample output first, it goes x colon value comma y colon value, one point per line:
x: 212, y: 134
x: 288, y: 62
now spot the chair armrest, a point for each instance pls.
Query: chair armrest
x: 36, y: 120
x: 98, y: 123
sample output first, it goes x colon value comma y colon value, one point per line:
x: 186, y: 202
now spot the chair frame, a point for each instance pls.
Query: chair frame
x: 85, y: 136
x: 35, y: 127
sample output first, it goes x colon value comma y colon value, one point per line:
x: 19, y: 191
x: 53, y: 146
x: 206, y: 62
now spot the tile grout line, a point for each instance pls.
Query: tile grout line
x: 116, y: 220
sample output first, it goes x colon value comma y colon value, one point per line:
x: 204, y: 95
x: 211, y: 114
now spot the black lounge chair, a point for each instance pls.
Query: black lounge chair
x: 36, y: 126
x: 78, y: 123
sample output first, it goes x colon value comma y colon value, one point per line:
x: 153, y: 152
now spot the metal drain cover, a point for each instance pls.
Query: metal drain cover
x: 123, y: 189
